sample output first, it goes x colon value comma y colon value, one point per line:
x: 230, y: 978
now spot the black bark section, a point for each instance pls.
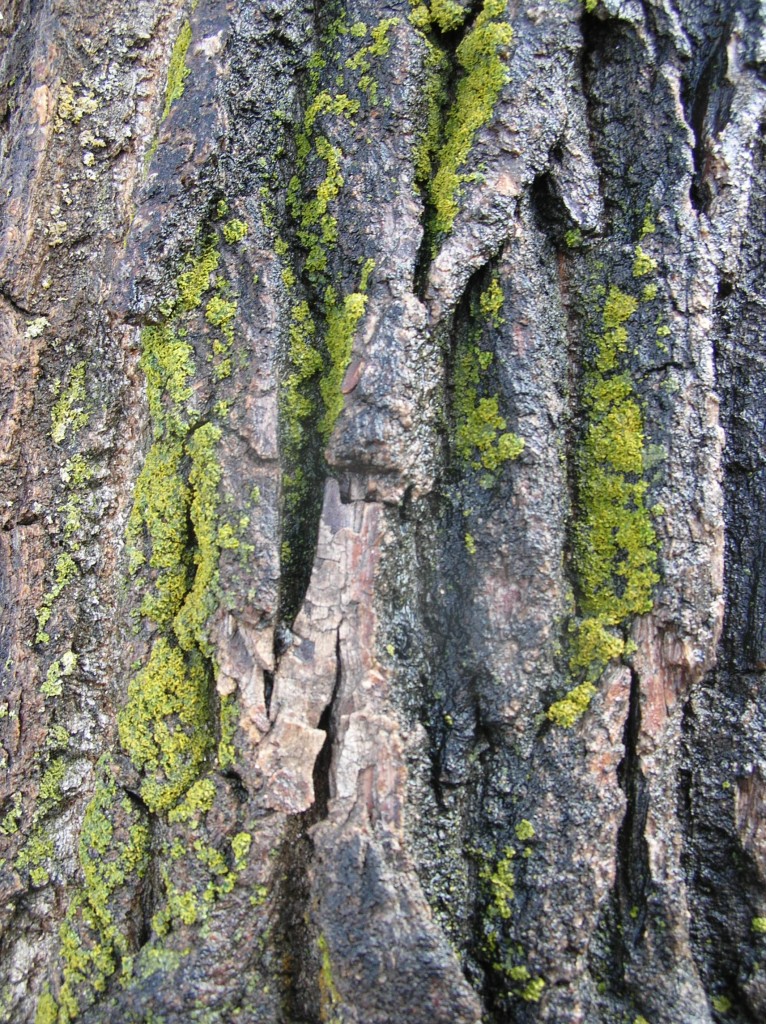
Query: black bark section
x: 725, y: 875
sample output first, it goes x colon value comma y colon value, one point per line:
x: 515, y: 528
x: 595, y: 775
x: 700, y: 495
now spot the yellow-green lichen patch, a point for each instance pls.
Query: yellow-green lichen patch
x: 500, y: 883
x: 435, y: 97
x: 221, y: 869
x: 447, y: 14
x: 160, y: 516
x: 49, y: 790
x: 758, y: 924
x: 199, y: 800
x: 342, y: 320
x: 35, y: 856
x: 201, y: 600
x: 69, y: 413
x: 47, y: 1011
x: 168, y: 365
x: 615, y: 544
x: 643, y: 263
x: 491, y: 303
x: 164, y: 725
x: 66, y: 571
x: 329, y: 997
x: 178, y: 72
x: 570, y: 709
x: 481, y: 58
x: 10, y: 823
x: 58, y: 670
x: 229, y: 723
x: 524, y: 831
x: 194, y: 280
x: 378, y: 48
x: 234, y: 231
x: 481, y: 439
x: 92, y: 945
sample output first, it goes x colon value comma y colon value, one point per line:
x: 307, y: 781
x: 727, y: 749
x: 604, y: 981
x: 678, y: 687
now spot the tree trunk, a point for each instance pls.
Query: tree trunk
x: 382, y: 394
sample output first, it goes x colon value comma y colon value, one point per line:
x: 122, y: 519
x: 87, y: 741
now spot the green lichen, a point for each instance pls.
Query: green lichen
x: 378, y: 48
x: 160, y: 515
x: 435, y: 97
x: 615, y: 544
x: 178, y: 72
x: 164, y: 725
x: 721, y: 1004
x: 481, y: 439
x: 35, y: 856
x: 491, y: 303
x: 92, y: 944
x: 47, y: 1011
x: 198, y: 801
x: 49, y: 790
x: 758, y: 924
x: 524, y: 831
x: 484, y: 75
x: 240, y: 848
x: 447, y: 14
x: 500, y: 882
x: 69, y: 413
x: 201, y: 600
x: 194, y: 281
x: 571, y: 708
x: 643, y: 264
x: 168, y: 365
x: 329, y: 997
x: 192, y: 905
x: 229, y: 723
x: 10, y: 823
x: 65, y: 572
x: 234, y: 231
x: 342, y: 320
x: 533, y: 990
x: 573, y: 238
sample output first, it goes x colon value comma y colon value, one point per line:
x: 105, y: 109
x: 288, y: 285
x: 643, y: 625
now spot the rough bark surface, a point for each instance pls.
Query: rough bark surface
x: 383, y: 520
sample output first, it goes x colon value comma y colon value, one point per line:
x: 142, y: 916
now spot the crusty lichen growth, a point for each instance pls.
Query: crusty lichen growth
x: 178, y: 72
x: 175, y: 538
x: 92, y: 944
x: 201, y: 600
x: 615, y: 543
x: 69, y: 413
x: 481, y: 438
x: 164, y: 727
x: 481, y: 56
x: 65, y: 572
x: 570, y: 709
x: 329, y: 997
x: 342, y: 320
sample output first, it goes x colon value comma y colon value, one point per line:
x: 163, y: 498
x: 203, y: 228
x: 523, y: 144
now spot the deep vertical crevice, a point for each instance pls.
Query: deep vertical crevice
x: 328, y: 725
x: 632, y: 853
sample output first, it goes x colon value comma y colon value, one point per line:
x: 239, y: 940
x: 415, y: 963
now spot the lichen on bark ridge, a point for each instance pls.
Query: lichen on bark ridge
x: 382, y: 509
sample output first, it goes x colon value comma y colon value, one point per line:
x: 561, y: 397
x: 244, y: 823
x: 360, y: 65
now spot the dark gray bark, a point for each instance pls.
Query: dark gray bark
x: 383, y: 504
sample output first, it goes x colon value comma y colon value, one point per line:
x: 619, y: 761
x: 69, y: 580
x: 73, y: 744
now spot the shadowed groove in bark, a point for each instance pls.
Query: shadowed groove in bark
x: 632, y: 883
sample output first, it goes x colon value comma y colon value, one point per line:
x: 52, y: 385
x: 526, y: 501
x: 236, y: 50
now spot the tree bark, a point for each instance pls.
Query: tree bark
x: 382, y: 396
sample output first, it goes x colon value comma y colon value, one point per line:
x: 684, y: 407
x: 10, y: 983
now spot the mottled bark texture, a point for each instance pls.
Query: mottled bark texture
x: 382, y: 404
